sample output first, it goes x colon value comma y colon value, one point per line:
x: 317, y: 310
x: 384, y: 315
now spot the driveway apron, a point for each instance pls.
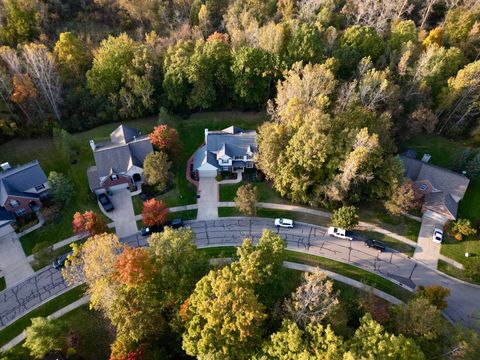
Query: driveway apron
x: 13, y: 261
x: 123, y: 214
x: 427, y: 251
x: 208, y: 200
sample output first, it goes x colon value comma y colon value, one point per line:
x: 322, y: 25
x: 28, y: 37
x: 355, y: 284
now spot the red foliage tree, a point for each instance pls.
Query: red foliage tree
x: 137, y: 354
x: 134, y: 267
x: 89, y: 223
x: 218, y: 36
x: 166, y: 139
x: 154, y: 212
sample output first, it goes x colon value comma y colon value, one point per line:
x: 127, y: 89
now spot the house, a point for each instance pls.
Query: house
x: 22, y: 189
x: 119, y: 162
x: 443, y: 189
x: 230, y: 149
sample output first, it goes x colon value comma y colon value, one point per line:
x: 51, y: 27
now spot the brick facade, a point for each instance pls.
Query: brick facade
x: 24, y: 203
x: 122, y: 179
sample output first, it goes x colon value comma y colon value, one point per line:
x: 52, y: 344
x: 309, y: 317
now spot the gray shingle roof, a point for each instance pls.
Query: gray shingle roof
x: 442, y: 203
x: 6, y: 216
x: 124, y: 134
x: 19, y: 179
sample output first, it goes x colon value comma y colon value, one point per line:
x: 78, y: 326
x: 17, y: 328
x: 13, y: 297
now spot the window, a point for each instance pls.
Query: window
x: 249, y: 165
x: 20, y: 212
x: 423, y: 187
x: 39, y: 187
x: 225, y: 161
x: 114, y: 177
x: 14, y: 203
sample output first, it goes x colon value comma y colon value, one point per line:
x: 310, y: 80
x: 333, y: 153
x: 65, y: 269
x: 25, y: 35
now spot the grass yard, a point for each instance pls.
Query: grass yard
x: 3, y: 284
x: 46, y: 309
x: 48, y: 259
x: 264, y: 190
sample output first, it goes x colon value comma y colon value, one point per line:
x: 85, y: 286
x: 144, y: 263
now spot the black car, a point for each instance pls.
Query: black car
x: 175, y: 223
x: 376, y: 245
x: 60, y: 261
x: 148, y: 230
x: 105, y: 201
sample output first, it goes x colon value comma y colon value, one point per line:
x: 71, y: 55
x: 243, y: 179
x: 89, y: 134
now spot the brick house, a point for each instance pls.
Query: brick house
x: 22, y: 189
x: 119, y: 162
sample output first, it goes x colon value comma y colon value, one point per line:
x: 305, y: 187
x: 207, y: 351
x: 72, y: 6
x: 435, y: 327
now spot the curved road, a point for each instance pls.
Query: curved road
x: 464, y: 301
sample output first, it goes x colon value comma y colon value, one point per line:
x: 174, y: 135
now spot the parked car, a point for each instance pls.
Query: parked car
x: 340, y: 233
x: 376, y: 245
x: 149, y: 230
x: 59, y: 262
x: 105, y: 201
x: 175, y: 223
x: 437, y: 236
x: 287, y: 223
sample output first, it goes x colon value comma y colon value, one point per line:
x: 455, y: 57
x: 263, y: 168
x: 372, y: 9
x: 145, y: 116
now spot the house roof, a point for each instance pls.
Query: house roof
x: 441, y: 203
x: 441, y: 179
x: 93, y: 178
x: 231, y: 142
x: 126, y: 148
x: 19, y: 179
x: 6, y: 217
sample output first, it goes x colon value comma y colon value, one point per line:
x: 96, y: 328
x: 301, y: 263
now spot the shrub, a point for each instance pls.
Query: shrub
x: 461, y: 228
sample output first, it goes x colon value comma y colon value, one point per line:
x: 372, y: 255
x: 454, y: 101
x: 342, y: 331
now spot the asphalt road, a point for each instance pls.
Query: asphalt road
x: 464, y: 304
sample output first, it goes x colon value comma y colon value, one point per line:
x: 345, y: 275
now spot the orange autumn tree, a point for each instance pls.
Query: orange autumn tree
x: 88, y: 223
x: 134, y: 267
x: 154, y: 212
x: 166, y: 139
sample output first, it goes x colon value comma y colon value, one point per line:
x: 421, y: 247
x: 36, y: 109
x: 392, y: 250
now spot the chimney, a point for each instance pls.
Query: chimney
x: 206, y: 135
x: 5, y: 166
x: 92, y: 145
x: 426, y: 158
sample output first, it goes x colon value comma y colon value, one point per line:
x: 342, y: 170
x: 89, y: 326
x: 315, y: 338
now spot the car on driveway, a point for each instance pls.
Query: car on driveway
x: 59, y: 262
x: 175, y: 223
x: 437, y: 236
x: 105, y: 201
x: 376, y: 245
x: 340, y: 233
x: 149, y: 230
x: 286, y: 223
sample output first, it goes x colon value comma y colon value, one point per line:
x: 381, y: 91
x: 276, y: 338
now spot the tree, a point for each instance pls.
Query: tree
x: 71, y: 55
x: 246, y: 199
x: 313, y: 301
x: 253, y: 73
x: 356, y: 43
x: 224, y: 317
x: 461, y: 228
x: 61, y: 187
x: 404, y: 199
x: 43, y: 336
x: 88, y: 223
x: 435, y: 294
x: 422, y: 120
x: 306, y: 45
x: 402, y: 32
x: 154, y: 212
x: 93, y: 262
x: 21, y: 21
x: 134, y: 267
x: 63, y: 142
x: 345, y: 217
x: 419, y: 318
x: 166, y: 139
x: 371, y: 341
x: 156, y: 167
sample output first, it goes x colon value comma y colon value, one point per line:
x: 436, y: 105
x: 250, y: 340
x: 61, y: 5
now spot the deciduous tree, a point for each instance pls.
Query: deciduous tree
x: 154, y: 212
x: 404, y: 199
x: 436, y: 294
x: 61, y: 187
x: 71, y: 55
x: 166, y: 139
x: 88, y: 223
x: 345, y: 217
x: 134, y: 267
x: 461, y: 228
x: 43, y: 336
x: 156, y: 167
x: 246, y: 199
x: 20, y: 21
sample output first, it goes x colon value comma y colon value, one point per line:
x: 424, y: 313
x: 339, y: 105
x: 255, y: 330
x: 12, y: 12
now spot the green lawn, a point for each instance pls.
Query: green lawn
x: 137, y: 205
x: 453, y: 271
x: 264, y: 190
x: 39, y: 264
x: 46, y: 309
x: 443, y: 152
x: 3, y: 285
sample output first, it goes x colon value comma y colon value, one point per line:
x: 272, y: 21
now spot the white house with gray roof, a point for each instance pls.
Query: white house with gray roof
x: 230, y: 149
x: 119, y: 162
x: 442, y: 188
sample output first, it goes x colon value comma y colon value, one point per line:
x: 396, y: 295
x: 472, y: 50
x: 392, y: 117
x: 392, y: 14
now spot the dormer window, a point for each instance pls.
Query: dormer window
x: 114, y: 177
x: 14, y: 203
x: 423, y: 187
x: 224, y: 161
x: 39, y: 187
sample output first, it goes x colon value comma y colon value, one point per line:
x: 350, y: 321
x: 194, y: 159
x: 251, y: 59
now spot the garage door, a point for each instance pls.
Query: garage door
x: 207, y: 173
x: 118, y: 187
x: 436, y: 217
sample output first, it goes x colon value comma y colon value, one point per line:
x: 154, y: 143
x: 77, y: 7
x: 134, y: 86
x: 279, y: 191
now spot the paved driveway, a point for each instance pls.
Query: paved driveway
x: 208, y: 200
x: 427, y: 251
x: 13, y: 261
x: 123, y: 215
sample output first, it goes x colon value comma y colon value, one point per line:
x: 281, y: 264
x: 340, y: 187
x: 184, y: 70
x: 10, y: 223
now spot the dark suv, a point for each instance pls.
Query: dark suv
x: 105, y: 201
x: 59, y: 262
x: 175, y: 223
x: 149, y: 230
x: 376, y: 245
